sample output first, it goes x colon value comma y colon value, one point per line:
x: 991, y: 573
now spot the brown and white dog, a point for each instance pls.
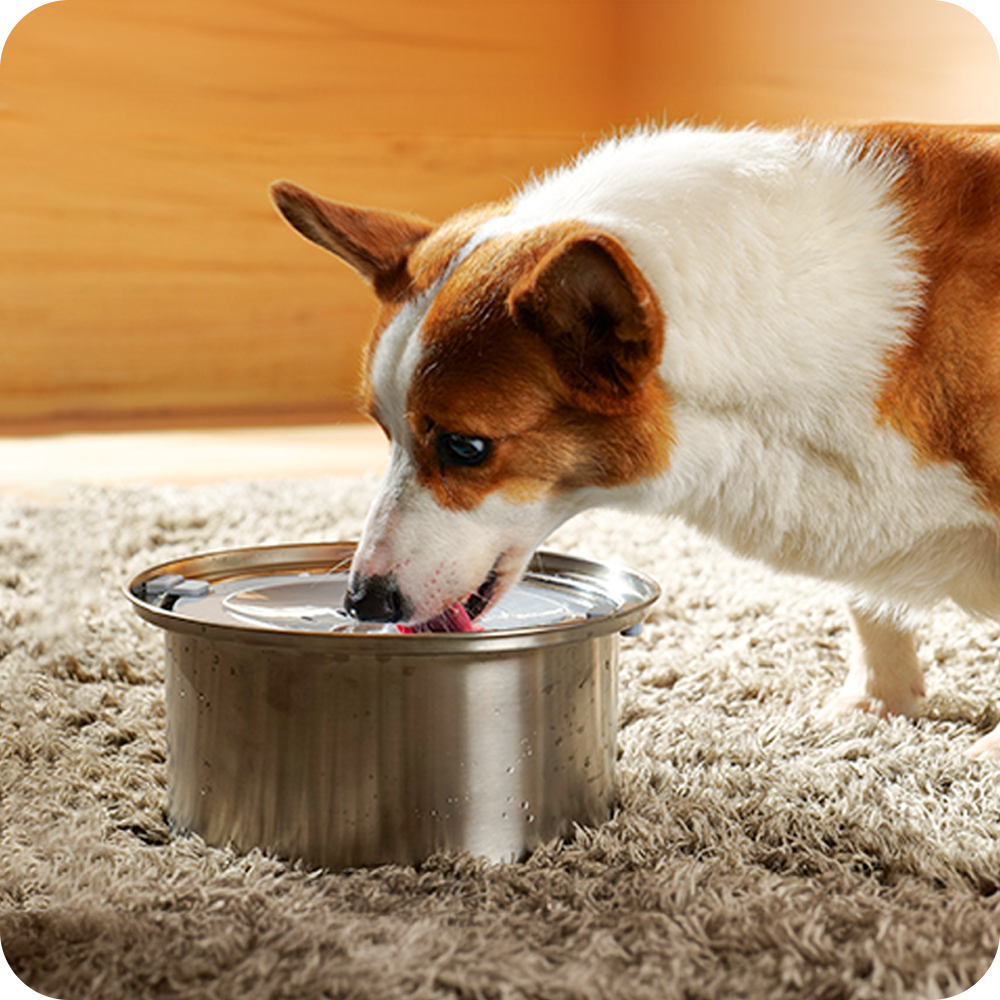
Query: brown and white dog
x: 789, y: 339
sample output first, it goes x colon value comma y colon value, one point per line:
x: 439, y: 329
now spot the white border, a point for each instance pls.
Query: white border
x: 11, y: 11
x: 988, y: 12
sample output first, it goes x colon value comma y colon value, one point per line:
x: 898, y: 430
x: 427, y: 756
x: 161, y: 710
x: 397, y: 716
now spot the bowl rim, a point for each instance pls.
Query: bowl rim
x: 634, y: 591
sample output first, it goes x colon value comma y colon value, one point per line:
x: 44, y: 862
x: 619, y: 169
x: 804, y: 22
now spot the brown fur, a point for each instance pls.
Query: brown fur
x: 943, y: 389
x: 375, y: 243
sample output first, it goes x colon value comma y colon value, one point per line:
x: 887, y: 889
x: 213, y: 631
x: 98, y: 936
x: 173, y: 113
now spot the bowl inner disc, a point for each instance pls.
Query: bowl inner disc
x: 315, y: 603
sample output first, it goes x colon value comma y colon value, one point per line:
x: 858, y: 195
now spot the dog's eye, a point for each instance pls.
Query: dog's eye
x: 458, y: 449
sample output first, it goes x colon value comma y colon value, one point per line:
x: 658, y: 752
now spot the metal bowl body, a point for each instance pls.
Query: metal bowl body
x: 352, y: 750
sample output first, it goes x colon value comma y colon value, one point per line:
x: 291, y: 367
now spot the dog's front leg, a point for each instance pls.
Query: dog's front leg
x: 885, y: 677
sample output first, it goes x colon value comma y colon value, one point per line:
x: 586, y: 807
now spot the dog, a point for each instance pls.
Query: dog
x: 788, y: 338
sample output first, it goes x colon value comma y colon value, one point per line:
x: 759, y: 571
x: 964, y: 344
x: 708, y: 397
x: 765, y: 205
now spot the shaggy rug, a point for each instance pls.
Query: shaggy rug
x: 755, y: 853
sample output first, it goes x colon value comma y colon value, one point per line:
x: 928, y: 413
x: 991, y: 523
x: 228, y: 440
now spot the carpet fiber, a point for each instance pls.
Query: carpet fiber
x: 755, y: 853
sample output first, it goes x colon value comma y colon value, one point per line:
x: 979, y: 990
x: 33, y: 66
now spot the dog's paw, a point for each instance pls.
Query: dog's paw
x: 987, y: 748
x: 907, y: 703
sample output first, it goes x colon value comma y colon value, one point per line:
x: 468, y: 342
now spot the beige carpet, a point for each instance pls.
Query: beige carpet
x: 755, y: 854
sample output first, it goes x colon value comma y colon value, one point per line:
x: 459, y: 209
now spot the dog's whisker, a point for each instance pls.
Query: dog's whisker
x: 340, y: 566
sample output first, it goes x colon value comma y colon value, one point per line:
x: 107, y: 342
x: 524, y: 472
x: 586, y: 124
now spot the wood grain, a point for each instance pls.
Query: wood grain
x: 145, y: 279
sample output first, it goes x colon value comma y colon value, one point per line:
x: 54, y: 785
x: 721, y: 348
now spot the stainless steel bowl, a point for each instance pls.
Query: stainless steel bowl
x: 351, y: 749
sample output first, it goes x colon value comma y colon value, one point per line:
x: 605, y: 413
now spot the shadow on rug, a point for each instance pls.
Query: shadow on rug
x: 755, y: 853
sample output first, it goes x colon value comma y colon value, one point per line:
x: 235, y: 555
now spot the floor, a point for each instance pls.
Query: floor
x: 39, y: 468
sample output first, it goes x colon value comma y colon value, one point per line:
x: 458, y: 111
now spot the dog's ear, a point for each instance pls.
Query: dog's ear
x: 375, y: 243
x: 588, y: 298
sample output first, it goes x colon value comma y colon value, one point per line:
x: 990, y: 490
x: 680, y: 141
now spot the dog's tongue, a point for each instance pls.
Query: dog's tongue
x: 455, y: 619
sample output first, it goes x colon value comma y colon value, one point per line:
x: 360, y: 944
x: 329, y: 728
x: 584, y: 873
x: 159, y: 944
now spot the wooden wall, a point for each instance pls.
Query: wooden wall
x: 145, y: 279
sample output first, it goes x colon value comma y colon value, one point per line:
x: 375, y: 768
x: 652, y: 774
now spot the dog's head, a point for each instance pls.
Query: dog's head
x: 515, y: 376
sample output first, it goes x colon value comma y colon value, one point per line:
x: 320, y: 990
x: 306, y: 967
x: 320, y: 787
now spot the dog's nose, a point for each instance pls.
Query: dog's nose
x: 375, y: 599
